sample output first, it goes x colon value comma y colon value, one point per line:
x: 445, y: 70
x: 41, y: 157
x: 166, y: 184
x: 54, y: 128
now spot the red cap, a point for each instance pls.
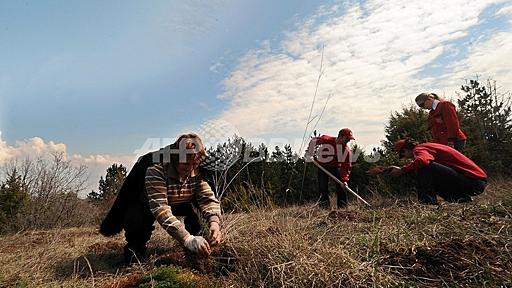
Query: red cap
x: 399, y: 145
x: 347, y: 132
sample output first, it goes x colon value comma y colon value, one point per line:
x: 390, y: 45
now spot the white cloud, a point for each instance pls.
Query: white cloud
x: 37, y: 147
x: 97, y: 165
x: 492, y: 56
x: 28, y: 148
x: 216, y: 67
x: 506, y: 10
x: 487, y: 59
x: 371, y: 61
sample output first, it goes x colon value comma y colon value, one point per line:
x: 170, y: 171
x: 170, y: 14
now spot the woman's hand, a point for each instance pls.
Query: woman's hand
x: 215, y: 234
x: 395, y: 171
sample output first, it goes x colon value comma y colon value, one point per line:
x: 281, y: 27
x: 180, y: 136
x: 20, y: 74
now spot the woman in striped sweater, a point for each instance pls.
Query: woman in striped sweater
x: 163, y: 185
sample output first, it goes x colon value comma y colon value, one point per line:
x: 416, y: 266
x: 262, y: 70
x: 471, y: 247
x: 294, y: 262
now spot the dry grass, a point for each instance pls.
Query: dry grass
x: 394, y: 243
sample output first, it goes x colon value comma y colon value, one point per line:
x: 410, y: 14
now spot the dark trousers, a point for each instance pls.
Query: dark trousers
x: 139, y: 225
x: 323, y: 188
x: 459, y: 145
x: 437, y: 179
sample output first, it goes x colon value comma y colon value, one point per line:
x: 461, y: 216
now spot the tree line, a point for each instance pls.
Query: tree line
x: 43, y: 193
x: 267, y: 176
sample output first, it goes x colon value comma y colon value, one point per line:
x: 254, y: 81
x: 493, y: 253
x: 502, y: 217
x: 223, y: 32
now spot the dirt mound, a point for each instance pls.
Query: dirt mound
x: 222, y: 261
x: 127, y: 281
x: 456, y: 259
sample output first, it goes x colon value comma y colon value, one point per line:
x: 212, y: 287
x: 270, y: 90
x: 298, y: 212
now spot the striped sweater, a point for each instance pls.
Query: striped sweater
x: 194, y: 189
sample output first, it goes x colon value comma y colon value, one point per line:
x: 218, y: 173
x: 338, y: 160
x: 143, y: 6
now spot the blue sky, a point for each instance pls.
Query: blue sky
x: 103, y: 76
x: 97, y: 79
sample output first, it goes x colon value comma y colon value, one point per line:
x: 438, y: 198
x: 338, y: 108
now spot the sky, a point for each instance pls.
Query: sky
x: 104, y: 81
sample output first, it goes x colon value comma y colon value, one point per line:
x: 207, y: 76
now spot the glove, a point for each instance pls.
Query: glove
x: 198, y: 245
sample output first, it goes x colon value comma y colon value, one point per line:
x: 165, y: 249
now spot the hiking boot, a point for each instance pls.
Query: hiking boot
x: 464, y: 199
x: 427, y: 196
x: 342, y: 204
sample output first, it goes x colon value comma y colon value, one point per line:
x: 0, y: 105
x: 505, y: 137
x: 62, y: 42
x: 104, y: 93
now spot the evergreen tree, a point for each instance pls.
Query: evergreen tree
x: 486, y: 119
x: 109, y: 186
x: 411, y: 122
x: 13, y: 199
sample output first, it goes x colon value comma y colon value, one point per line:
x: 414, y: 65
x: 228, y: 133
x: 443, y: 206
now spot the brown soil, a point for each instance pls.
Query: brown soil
x: 455, y: 259
x: 222, y: 261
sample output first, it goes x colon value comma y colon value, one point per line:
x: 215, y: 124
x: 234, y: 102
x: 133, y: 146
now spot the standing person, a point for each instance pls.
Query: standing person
x: 442, y: 121
x: 442, y: 171
x: 162, y: 185
x: 335, y: 156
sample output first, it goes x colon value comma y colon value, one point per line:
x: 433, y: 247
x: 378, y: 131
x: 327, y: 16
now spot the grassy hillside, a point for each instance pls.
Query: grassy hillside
x: 394, y: 243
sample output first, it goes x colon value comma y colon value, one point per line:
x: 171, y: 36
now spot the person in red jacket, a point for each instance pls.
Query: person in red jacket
x: 442, y: 121
x: 335, y: 156
x: 442, y: 171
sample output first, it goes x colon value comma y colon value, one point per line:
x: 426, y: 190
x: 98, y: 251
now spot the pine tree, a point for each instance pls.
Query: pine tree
x: 13, y: 199
x: 411, y: 122
x: 486, y: 118
x: 109, y: 186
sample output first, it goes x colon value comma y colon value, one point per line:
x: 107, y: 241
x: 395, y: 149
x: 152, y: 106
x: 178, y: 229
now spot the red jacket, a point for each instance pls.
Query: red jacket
x: 445, y: 155
x: 331, y: 154
x: 444, y: 123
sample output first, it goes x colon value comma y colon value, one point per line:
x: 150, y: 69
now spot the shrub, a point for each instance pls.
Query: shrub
x: 167, y: 277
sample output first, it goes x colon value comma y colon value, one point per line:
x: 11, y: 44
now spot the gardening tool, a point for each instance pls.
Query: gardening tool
x: 339, y: 182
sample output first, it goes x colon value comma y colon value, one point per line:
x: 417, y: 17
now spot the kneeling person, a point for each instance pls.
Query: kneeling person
x: 442, y: 171
x: 162, y: 186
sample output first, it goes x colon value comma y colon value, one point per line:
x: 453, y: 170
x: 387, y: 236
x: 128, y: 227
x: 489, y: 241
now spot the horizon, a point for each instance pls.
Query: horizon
x: 97, y: 80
